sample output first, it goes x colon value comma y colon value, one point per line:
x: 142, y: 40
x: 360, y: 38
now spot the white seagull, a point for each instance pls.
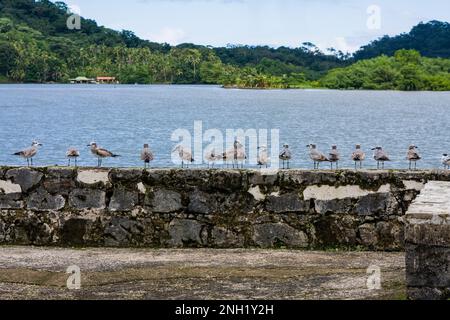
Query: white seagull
x: 263, y: 157
x: 446, y: 161
x: 316, y: 156
x: 184, y: 154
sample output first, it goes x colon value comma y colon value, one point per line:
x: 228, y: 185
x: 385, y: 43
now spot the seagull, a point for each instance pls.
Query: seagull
x: 334, y: 157
x: 286, y: 156
x: 30, y: 152
x: 446, y: 161
x: 413, y: 156
x: 184, y: 154
x: 263, y: 157
x: 316, y: 155
x: 380, y: 156
x: 147, y: 155
x: 72, y: 153
x: 358, y: 156
x: 237, y: 154
x: 101, y: 153
x: 212, y: 157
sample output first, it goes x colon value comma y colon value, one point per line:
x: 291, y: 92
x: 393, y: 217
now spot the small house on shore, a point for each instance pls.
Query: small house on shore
x: 97, y: 80
x: 107, y: 80
x: 82, y: 80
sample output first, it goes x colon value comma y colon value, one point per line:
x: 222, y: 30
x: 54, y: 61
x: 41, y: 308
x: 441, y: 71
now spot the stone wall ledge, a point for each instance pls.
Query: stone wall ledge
x: 135, y: 207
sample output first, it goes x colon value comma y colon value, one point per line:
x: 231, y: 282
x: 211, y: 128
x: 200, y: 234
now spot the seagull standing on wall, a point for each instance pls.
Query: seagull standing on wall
x: 446, y: 161
x: 29, y: 153
x: 413, y: 156
x: 263, y: 157
x: 211, y: 158
x: 184, y: 154
x: 286, y: 156
x: 380, y: 156
x: 316, y: 156
x: 334, y: 157
x: 358, y: 156
x: 147, y: 156
x: 72, y: 153
x: 101, y: 153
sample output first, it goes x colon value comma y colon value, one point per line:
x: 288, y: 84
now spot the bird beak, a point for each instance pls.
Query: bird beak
x: 88, y: 145
x: 40, y: 144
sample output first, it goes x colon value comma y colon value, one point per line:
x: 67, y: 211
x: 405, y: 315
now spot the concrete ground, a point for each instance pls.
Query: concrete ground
x: 40, y: 273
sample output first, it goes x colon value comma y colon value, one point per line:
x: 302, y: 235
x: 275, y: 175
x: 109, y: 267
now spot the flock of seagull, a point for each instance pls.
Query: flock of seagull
x: 237, y: 156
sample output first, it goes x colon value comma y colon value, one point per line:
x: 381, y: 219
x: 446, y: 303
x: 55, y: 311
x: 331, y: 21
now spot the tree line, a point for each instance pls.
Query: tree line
x: 36, y: 46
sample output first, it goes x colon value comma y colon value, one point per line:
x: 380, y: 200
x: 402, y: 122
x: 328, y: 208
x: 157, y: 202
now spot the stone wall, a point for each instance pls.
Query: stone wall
x: 207, y: 208
x: 428, y: 243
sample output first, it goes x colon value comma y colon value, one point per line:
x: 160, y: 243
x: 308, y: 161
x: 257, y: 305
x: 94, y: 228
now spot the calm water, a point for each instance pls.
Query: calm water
x: 122, y: 118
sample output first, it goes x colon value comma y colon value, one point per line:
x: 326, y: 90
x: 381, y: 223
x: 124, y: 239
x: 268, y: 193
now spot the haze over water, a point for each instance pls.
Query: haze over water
x: 123, y: 118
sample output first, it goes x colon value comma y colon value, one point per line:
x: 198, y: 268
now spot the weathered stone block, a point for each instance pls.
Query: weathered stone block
x: 41, y: 200
x: 287, y: 203
x: 337, y: 230
x: 186, y: 233
x: 11, y: 201
x: 272, y: 235
x: 87, y: 199
x: 164, y: 201
x: 125, y: 175
x: 428, y: 266
x: 224, y: 238
x: 123, y: 200
x: 27, y: 178
x: 93, y: 177
x: 373, y: 204
x: 7, y: 187
x: 333, y: 206
x: 203, y: 203
x: 60, y: 180
x: 123, y: 232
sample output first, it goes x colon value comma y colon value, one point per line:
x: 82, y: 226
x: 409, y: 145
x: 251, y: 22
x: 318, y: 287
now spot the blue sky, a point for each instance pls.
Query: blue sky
x: 342, y: 24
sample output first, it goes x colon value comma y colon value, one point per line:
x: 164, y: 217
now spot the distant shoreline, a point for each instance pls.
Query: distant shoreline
x: 213, y: 85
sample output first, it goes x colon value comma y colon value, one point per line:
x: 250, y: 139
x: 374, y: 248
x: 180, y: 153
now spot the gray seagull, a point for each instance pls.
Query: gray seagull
x: 29, y: 153
x: 316, y: 156
x: 380, y: 156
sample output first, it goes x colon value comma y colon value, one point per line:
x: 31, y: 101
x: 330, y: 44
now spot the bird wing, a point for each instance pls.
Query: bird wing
x: 358, y: 156
x: 104, y: 153
x: 413, y: 155
x: 27, y: 153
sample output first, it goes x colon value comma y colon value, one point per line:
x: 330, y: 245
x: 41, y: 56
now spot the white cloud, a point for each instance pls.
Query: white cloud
x: 170, y: 35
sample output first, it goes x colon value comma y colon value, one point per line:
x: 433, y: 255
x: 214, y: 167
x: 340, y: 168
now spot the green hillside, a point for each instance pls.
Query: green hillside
x: 36, y: 46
